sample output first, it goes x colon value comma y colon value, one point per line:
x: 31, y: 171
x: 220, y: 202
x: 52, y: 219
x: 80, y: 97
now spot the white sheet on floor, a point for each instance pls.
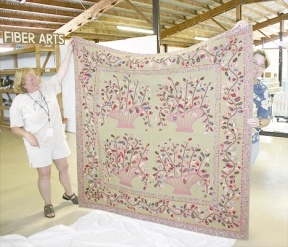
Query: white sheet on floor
x: 105, y: 229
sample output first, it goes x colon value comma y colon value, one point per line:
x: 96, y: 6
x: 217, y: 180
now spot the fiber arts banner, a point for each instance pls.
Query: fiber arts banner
x: 163, y: 137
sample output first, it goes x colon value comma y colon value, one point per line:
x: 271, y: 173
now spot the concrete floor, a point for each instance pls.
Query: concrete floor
x: 21, y: 207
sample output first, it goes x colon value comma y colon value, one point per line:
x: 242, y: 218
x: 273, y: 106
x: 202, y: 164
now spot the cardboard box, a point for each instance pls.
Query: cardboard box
x: 270, y: 75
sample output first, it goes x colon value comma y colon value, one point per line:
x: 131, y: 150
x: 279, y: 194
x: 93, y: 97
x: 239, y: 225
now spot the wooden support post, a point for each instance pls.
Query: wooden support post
x: 38, y: 60
x: 156, y: 22
x: 238, y: 12
x: 281, y: 53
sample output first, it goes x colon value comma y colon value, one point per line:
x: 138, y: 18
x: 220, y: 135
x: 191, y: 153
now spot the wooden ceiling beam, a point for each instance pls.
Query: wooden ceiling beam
x: 270, y: 22
x: 219, y: 24
x: 164, y: 7
x: 268, y: 10
x: 93, y: 12
x: 46, y: 16
x: 38, y: 10
x: 282, y: 3
x: 202, y: 17
x: 29, y: 24
x: 131, y: 5
x: 257, y: 1
x: 24, y: 29
x: 194, y: 4
x: 248, y: 10
x: 224, y: 7
x: 21, y: 17
x: 77, y: 5
x: 102, y: 36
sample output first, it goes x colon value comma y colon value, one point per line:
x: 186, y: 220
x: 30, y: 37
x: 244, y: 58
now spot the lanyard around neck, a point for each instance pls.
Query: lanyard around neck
x: 46, y: 111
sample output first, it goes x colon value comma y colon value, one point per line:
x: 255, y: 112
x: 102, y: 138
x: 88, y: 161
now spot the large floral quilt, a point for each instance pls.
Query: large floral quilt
x: 163, y: 137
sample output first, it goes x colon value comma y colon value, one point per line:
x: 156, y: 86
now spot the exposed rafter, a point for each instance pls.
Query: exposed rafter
x: 139, y: 12
x: 205, y: 16
x: 270, y: 22
x: 183, y: 19
x: 88, y: 15
x: 202, y: 17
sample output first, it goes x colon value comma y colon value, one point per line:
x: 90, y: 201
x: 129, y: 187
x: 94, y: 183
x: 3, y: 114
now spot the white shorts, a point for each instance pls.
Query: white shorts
x: 44, y: 156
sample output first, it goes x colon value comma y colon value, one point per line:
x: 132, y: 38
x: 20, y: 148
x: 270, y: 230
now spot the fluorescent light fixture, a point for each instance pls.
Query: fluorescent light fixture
x: 133, y: 29
x: 200, y: 38
x: 4, y: 49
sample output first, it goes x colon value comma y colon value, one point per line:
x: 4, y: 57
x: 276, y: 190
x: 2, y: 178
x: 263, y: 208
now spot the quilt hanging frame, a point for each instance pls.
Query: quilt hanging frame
x: 163, y: 137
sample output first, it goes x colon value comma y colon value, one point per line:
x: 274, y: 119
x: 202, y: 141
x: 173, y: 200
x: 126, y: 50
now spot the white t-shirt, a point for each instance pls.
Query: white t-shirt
x: 32, y: 111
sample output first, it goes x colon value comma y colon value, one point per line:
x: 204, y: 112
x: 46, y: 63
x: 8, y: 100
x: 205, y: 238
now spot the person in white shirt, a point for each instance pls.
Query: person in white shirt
x: 35, y: 116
